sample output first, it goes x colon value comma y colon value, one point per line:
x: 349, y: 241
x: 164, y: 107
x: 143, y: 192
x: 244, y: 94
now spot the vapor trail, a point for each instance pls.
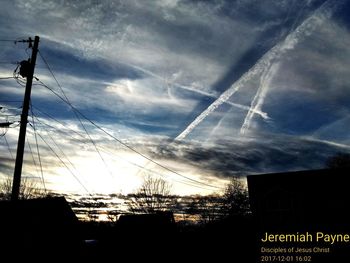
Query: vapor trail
x: 318, y: 17
x: 212, y: 107
x: 260, y: 95
x: 211, y: 95
x: 341, y: 145
x: 324, y: 12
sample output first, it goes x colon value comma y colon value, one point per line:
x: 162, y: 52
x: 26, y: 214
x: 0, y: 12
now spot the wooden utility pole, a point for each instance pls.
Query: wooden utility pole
x: 24, y: 119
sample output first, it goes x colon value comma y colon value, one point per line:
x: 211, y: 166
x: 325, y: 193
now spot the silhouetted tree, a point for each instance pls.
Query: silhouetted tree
x: 153, y: 196
x: 209, y: 208
x: 28, y: 190
x: 340, y: 160
x: 235, y: 198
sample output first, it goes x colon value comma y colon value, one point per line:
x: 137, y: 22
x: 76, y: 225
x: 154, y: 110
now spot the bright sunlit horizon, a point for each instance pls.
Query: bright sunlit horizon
x: 116, y: 171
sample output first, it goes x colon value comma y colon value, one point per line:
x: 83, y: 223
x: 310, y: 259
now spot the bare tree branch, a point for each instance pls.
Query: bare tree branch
x: 28, y: 190
x: 153, y: 196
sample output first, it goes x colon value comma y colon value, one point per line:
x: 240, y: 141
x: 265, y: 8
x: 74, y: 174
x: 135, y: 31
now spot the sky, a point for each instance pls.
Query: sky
x: 194, y: 92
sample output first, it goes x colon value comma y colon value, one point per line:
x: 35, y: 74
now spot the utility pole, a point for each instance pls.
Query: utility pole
x: 24, y: 119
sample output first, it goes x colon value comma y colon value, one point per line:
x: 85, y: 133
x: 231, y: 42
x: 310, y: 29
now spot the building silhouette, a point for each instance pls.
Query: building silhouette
x: 299, y: 202
x: 316, y: 198
x: 44, y: 229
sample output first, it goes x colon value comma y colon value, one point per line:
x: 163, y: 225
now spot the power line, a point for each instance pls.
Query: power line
x: 35, y: 164
x: 31, y: 153
x: 56, y: 144
x: 124, y: 144
x: 161, y: 175
x: 59, y: 122
x: 59, y: 148
x: 8, y: 147
x: 77, y: 116
x: 103, y: 148
x: 70, y: 171
x: 52, y: 139
x: 143, y: 155
x: 75, y: 110
x: 52, y: 74
x: 18, y: 40
x: 16, y: 75
x: 43, y: 123
x: 37, y: 148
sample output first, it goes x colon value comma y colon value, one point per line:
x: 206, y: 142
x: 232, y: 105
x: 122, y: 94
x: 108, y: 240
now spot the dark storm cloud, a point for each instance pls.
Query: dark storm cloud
x: 253, y: 156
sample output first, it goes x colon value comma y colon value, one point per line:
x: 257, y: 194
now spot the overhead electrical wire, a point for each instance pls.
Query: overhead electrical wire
x: 55, y: 143
x: 17, y: 40
x: 22, y: 83
x: 7, y: 117
x: 53, y: 140
x: 143, y: 155
x: 37, y: 148
x: 104, y: 149
x: 77, y: 112
x: 62, y: 162
x: 8, y: 147
x: 59, y: 122
x: 35, y: 164
x: 77, y: 116
x: 124, y: 144
x: 32, y: 154
x: 66, y: 100
x: 16, y: 76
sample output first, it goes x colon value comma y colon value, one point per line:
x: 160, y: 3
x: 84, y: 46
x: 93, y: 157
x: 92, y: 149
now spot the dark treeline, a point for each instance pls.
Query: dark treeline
x: 205, y: 227
x: 155, y: 196
x: 195, y: 209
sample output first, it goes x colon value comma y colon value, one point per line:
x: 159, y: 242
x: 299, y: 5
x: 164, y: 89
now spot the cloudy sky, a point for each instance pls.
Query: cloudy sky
x: 204, y: 89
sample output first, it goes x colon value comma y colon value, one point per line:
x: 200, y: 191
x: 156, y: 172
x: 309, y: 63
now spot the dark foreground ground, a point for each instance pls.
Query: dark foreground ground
x: 105, y: 242
x: 220, y: 241
x: 47, y: 230
x: 234, y: 239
